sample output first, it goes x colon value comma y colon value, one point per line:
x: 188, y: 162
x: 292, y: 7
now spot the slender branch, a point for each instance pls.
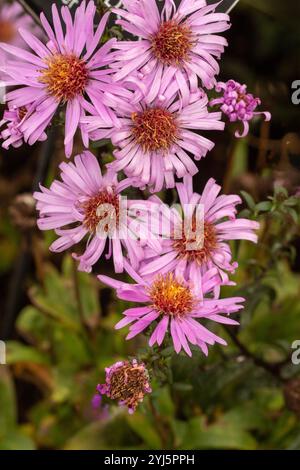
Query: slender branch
x: 274, y: 369
x: 30, y: 11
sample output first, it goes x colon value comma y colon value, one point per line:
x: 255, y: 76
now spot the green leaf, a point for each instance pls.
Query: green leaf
x: 263, y: 206
x: 90, y: 437
x: 64, y: 385
x: 142, y: 426
x: 104, y: 434
x: 17, y: 352
x: 280, y: 190
x: 248, y: 416
x: 88, y: 290
x: 34, y: 327
x: 16, y: 440
x: 70, y: 349
x: 294, y: 214
x: 57, y: 306
x: 164, y: 402
x: 249, y: 200
x: 224, y: 434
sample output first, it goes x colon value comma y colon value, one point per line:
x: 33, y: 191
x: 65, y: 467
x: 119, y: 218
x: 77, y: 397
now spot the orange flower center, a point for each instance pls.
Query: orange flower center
x: 154, y: 129
x: 101, y: 212
x: 7, y: 31
x: 172, y: 43
x: 197, y: 248
x: 171, y: 297
x: 66, y: 76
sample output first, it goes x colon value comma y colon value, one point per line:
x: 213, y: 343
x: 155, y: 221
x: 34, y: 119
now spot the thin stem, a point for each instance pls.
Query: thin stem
x: 29, y: 10
x: 274, y: 369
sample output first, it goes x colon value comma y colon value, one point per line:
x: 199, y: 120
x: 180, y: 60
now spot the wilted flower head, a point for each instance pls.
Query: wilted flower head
x: 177, y: 44
x: 238, y: 104
x: 126, y: 381
x: 154, y: 139
x: 69, y: 70
x: 87, y: 203
x: 195, y: 236
x: 177, y: 307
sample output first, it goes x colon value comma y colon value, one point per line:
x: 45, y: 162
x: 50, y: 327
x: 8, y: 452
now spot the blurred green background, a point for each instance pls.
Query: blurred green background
x: 245, y: 396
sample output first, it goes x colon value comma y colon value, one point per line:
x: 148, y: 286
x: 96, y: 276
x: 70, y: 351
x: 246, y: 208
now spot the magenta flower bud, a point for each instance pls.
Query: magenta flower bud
x: 238, y: 104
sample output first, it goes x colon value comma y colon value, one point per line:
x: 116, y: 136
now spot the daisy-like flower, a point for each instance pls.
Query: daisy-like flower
x: 126, y: 381
x: 177, y: 44
x: 154, y: 140
x: 238, y: 105
x: 191, y: 247
x: 12, y: 120
x: 13, y: 17
x: 87, y: 203
x: 69, y: 70
x: 177, y: 307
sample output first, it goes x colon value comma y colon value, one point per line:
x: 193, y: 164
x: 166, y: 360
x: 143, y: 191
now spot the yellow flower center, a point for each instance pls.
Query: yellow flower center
x: 172, y: 43
x: 171, y: 297
x: 66, y: 76
x: 154, y: 129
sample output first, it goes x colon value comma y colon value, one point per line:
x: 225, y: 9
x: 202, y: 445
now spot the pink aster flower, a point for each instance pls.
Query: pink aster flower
x: 126, y: 381
x: 88, y: 204
x: 13, y: 119
x: 69, y: 70
x: 177, y: 44
x: 13, y: 17
x: 154, y: 140
x: 238, y: 104
x: 176, y: 307
x: 191, y: 247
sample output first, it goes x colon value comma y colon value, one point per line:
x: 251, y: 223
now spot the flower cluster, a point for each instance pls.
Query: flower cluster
x: 148, y: 95
x: 65, y: 71
x: 190, y: 251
